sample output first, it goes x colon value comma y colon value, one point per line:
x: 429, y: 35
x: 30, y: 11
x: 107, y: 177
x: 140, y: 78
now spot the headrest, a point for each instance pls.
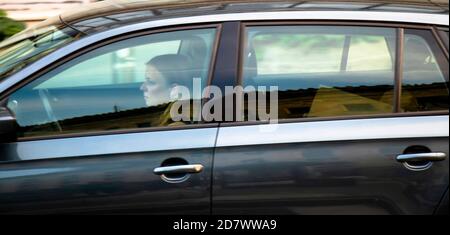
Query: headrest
x: 195, y: 49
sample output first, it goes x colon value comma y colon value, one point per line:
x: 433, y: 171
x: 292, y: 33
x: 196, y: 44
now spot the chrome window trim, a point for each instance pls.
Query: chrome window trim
x: 7, y: 119
x: 394, y: 17
x: 201, y: 138
x: 327, y: 131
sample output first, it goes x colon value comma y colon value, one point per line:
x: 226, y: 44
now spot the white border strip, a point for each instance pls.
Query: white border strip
x: 114, y: 144
x: 406, y: 17
x: 324, y: 131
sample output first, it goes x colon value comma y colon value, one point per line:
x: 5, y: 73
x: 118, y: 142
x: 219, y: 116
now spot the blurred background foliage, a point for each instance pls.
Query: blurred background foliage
x: 9, y: 27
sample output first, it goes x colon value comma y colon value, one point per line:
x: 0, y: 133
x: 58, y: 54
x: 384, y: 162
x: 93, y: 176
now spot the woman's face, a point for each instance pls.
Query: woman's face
x: 156, y: 89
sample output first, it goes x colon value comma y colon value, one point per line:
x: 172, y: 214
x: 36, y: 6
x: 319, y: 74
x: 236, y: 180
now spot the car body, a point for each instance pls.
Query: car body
x: 363, y: 123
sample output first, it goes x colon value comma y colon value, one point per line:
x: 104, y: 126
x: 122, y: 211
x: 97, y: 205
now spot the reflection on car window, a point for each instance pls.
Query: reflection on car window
x: 369, y: 53
x: 120, y: 66
x: 124, y: 85
x: 425, y: 78
x: 31, y: 45
x: 279, y: 53
x: 445, y: 38
x: 323, y: 71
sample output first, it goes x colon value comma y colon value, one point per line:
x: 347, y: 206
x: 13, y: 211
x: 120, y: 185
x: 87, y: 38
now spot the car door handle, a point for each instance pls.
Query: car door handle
x: 426, y: 157
x: 182, y: 169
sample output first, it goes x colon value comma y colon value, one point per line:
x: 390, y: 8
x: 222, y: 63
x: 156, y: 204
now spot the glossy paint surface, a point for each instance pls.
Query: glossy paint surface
x: 109, y: 144
x: 329, y: 167
x: 338, y: 177
x: 121, y: 181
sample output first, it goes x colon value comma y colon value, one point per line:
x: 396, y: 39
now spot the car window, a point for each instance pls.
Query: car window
x: 425, y: 78
x: 278, y: 53
x: 445, y: 38
x: 368, y: 53
x: 117, y: 67
x: 323, y: 71
x: 33, y: 44
x: 128, y: 84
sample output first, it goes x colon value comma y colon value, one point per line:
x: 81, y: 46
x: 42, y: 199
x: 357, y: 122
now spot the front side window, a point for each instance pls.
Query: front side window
x: 323, y: 71
x: 124, y: 85
x: 33, y: 44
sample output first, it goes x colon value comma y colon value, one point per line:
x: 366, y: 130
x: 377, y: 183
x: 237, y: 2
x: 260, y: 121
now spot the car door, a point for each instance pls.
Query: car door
x: 362, y: 123
x: 96, y: 133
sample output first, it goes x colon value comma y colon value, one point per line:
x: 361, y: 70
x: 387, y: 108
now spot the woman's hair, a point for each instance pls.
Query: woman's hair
x: 174, y: 68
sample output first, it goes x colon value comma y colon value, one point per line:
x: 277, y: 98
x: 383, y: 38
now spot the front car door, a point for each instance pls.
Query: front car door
x: 96, y: 133
x: 363, y: 122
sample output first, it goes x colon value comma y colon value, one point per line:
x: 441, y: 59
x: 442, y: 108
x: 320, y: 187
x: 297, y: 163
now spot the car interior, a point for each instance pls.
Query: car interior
x: 352, y: 92
x: 66, y: 109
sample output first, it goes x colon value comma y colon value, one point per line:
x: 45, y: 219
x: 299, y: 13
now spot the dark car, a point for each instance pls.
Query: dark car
x: 361, y: 127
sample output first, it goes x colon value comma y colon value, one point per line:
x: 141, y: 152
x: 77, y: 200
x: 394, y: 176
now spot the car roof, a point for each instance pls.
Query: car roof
x: 107, y: 19
x: 108, y: 14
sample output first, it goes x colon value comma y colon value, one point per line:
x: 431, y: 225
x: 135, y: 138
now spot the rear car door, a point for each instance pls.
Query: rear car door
x: 96, y: 133
x: 362, y: 122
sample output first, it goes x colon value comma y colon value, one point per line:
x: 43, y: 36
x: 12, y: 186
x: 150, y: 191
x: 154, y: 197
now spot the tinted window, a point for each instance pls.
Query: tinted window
x: 425, y: 78
x: 125, y: 85
x: 445, y: 38
x: 32, y: 44
x: 323, y: 71
x: 278, y: 53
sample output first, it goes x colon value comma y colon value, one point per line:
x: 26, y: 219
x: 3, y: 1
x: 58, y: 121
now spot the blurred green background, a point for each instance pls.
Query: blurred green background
x: 16, y: 15
x: 9, y: 27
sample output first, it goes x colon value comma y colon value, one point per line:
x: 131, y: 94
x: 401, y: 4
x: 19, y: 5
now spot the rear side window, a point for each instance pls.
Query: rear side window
x: 425, y: 77
x: 323, y: 71
x: 319, y: 51
x: 368, y: 53
x: 445, y: 38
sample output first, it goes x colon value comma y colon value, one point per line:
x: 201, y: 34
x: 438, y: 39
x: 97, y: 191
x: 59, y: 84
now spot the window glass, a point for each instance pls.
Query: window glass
x: 120, y: 66
x: 32, y: 44
x: 278, y: 53
x: 125, y: 85
x: 369, y: 53
x: 445, y: 38
x: 323, y: 71
x: 425, y: 78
